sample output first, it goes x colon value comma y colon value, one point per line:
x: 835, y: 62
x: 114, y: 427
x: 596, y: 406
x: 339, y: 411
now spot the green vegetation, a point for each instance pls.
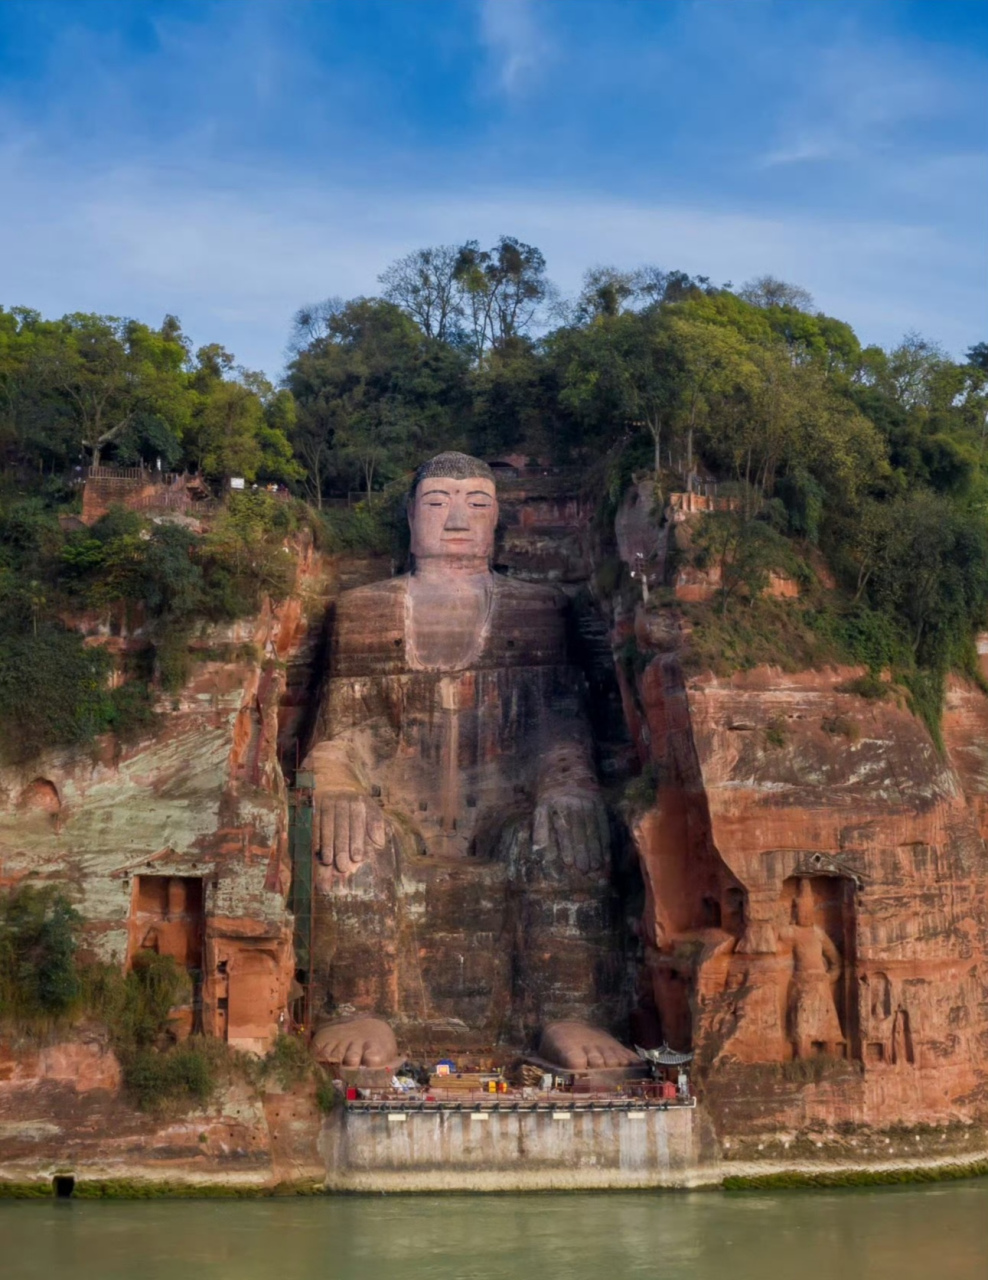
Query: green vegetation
x: 43, y: 987
x: 136, y: 1008
x: 850, y: 1177
x: 872, y: 462
x: 185, y: 1074
x: 160, y: 582
x: 289, y: 1061
x: 639, y: 792
x: 147, y: 1189
x: 39, y: 933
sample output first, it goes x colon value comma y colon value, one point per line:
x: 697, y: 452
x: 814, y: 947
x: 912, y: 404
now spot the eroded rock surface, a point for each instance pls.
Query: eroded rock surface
x: 177, y: 843
x: 816, y: 893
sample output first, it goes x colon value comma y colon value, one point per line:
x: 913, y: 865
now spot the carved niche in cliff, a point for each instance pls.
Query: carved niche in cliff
x: 464, y: 888
x: 815, y: 943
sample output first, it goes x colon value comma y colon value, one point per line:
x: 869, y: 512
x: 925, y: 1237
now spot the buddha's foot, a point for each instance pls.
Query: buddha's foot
x: 578, y: 1046
x: 356, y: 1042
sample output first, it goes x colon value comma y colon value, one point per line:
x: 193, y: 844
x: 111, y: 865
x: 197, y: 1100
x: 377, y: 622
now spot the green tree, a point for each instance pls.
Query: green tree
x: 372, y: 393
x: 241, y: 424
x: 503, y: 289
x: 426, y: 285
x: 745, y: 550
x: 39, y: 935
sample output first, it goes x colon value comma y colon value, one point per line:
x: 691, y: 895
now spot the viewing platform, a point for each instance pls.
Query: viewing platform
x: 492, y: 1104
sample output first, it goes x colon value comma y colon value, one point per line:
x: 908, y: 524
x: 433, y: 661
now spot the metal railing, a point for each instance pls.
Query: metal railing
x: 509, y: 1104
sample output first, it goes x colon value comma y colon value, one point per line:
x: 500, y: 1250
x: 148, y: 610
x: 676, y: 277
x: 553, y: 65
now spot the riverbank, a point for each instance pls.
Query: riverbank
x: 722, y: 1175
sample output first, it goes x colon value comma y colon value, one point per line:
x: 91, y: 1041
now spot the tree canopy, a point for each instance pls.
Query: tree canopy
x: 875, y: 459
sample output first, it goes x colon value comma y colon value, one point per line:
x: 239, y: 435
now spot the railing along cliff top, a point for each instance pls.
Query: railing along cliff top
x: 116, y: 473
x: 147, y: 474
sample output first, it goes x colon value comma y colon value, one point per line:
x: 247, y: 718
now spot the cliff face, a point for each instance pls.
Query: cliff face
x: 817, y: 896
x: 178, y: 842
x: 814, y: 915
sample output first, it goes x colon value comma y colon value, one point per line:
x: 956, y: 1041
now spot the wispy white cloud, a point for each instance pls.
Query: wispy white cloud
x: 244, y: 162
x: 850, y: 101
x: 516, y: 44
x: 234, y: 255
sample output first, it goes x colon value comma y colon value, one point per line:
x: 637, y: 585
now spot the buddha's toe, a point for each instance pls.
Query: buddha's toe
x: 353, y: 1055
x: 373, y: 1055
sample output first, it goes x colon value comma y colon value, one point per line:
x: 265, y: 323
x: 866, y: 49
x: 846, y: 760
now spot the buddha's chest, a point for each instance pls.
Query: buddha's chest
x: 446, y: 624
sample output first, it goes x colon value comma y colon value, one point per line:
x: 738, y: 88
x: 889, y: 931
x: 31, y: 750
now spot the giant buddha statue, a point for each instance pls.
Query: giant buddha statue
x: 464, y: 886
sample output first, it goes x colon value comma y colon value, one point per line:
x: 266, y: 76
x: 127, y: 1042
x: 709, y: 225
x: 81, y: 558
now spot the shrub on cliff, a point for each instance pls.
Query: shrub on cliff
x: 52, y: 689
x: 137, y: 1009
x: 375, y: 526
x: 39, y: 932
x: 184, y: 1074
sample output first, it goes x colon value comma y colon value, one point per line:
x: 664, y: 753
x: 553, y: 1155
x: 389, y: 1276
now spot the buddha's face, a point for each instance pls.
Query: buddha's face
x: 453, y: 518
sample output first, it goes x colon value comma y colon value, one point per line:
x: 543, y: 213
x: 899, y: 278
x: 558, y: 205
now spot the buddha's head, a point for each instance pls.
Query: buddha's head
x: 452, y: 510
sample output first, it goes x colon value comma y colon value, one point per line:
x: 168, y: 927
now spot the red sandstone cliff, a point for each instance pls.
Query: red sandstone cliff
x: 766, y: 783
x: 769, y: 781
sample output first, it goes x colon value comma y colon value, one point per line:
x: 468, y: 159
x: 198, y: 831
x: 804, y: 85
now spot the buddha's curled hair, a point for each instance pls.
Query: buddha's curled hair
x: 450, y: 466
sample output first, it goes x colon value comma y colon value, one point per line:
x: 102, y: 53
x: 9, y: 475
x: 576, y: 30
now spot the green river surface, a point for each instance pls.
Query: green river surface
x: 937, y: 1232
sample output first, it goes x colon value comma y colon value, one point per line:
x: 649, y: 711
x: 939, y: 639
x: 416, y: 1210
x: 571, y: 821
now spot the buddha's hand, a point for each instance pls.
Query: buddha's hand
x: 350, y: 828
x: 570, y: 832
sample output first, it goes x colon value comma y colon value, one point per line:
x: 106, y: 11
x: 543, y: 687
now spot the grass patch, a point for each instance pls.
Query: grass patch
x: 26, y: 1190
x: 799, y: 1179
x: 810, y: 634
x: 766, y: 632
x: 776, y: 732
x: 289, y: 1061
x: 869, y: 686
x: 185, y: 1074
x: 134, y: 1189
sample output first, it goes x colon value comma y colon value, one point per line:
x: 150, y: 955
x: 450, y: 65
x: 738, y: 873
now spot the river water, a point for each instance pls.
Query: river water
x: 923, y: 1233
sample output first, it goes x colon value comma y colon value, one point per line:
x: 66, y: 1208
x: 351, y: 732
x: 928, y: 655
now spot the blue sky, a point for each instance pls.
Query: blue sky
x: 228, y: 162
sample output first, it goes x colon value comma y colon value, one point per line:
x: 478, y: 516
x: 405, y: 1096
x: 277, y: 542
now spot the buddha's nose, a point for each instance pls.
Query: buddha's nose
x: 457, y: 520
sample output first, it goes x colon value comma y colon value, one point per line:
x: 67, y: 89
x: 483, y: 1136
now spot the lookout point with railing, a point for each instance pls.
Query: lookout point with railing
x: 143, y: 489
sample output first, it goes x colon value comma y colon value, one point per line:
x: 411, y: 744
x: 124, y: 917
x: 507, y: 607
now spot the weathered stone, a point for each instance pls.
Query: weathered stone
x: 463, y: 846
x: 776, y: 789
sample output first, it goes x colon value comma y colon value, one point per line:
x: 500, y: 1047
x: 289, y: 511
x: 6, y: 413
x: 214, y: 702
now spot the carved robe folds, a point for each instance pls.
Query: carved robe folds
x: 464, y: 872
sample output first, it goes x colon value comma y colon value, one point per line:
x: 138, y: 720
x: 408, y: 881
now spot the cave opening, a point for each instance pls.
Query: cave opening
x: 63, y: 1185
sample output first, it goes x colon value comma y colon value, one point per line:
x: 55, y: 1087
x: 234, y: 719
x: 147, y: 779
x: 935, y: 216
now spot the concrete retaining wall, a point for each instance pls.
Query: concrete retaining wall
x: 511, y: 1150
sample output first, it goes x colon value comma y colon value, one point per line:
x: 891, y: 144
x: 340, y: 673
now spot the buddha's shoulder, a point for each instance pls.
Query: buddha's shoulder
x: 372, y: 598
x: 368, y: 629
x: 517, y: 593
